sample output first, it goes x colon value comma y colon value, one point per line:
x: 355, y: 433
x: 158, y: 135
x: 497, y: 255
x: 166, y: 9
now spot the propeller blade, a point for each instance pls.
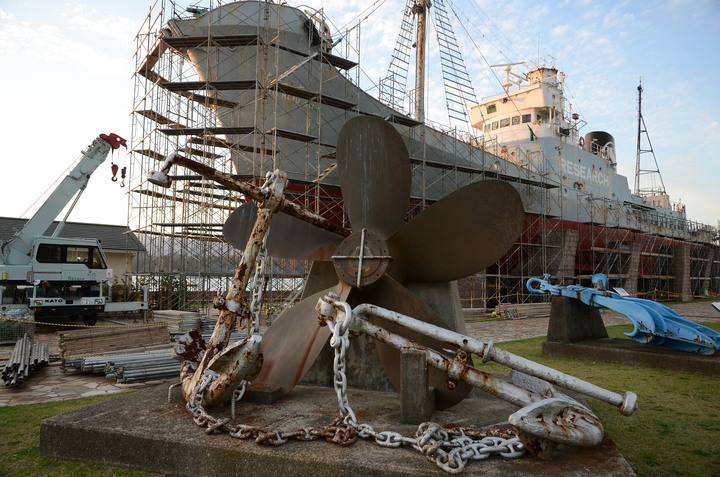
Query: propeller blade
x: 389, y: 294
x: 459, y: 235
x: 239, y: 224
x: 293, y: 342
x: 288, y: 236
x: 374, y: 168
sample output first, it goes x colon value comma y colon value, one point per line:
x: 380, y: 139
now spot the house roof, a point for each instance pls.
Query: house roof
x: 112, y: 237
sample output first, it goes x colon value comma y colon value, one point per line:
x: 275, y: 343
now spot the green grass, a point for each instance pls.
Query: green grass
x: 676, y: 429
x: 20, y: 443
x: 675, y: 432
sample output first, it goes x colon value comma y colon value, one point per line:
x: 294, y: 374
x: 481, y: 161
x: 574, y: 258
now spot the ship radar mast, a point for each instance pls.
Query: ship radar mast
x: 510, y: 77
x: 653, y: 189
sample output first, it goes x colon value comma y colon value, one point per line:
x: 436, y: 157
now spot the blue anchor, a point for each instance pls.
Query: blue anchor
x: 653, y: 323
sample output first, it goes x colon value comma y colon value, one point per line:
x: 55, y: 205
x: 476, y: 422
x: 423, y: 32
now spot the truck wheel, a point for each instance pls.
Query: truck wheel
x: 90, y: 320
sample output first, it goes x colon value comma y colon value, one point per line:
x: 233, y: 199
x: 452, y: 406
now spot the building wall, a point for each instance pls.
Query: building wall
x: 121, y: 262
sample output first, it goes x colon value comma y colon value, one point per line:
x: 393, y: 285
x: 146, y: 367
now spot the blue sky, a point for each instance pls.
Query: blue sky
x: 68, y: 77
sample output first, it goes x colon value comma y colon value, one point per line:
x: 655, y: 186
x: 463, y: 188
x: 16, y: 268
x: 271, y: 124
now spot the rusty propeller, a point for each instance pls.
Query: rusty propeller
x: 459, y: 235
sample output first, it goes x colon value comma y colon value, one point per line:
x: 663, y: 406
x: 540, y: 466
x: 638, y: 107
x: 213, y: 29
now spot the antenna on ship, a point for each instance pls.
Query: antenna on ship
x: 508, y: 73
x: 652, y: 189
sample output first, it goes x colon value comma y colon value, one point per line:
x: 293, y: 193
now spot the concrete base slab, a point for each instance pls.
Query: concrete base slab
x: 626, y: 351
x: 146, y: 431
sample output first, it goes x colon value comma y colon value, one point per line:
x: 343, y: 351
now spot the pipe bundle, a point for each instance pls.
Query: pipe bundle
x: 26, y: 358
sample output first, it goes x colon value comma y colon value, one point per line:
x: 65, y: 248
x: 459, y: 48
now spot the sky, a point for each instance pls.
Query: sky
x: 67, y: 77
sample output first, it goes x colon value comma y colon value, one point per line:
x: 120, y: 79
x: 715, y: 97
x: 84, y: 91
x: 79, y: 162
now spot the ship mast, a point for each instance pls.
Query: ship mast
x: 420, y: 9
x: 642, y: 129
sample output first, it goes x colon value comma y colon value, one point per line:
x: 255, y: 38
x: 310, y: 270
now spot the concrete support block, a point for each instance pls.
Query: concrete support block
x: 444, y: 299
x: 262, y: 393
x: 417, y: 398
x: 562, y: 264
x: 572, y: 321
x: 633, y: 269
x: 363, y: 368
x: 680, y: 269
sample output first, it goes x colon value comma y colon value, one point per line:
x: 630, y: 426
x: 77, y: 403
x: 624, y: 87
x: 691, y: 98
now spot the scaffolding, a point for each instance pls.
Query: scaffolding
x: 265, y: 88
x: 181, y: 105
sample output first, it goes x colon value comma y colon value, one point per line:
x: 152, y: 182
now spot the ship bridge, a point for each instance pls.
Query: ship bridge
x: 535, y: 109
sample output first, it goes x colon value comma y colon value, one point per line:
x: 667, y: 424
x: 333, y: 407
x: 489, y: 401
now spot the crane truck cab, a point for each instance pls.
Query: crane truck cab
x: 67, y: 277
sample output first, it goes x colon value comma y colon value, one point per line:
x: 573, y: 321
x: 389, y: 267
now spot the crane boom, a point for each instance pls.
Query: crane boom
x: 17, y: 250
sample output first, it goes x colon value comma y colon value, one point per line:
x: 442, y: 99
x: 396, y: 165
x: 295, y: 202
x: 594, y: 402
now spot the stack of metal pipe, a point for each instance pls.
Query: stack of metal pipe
x: 178, y: 322
x: 234, y: 336
x: 26, y: 358
x: 96, y: 364
x: 141, y: 367
x: 136, y: 366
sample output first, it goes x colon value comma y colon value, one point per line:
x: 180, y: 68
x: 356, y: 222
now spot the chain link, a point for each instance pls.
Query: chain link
x: 450, y: 449
x: 259, y: 279
x: 237, y: 396
x: 337, y: 432
x: 257, y: 287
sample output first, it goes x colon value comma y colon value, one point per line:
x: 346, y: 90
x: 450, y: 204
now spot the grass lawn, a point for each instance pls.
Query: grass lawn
x: 675, y: 432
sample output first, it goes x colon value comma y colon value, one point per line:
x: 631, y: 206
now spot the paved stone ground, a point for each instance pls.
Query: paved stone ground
x: 511, y: 330
x: 51, y: 384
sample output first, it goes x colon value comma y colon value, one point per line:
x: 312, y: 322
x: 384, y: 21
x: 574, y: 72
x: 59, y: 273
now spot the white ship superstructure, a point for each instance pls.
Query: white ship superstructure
x: 531, y: 126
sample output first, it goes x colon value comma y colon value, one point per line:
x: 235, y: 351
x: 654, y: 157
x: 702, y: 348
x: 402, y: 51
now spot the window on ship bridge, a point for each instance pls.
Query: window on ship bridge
x: 516, y: 120
x: 505, y: 122
x: 526, y: 118
x: 494, y: 125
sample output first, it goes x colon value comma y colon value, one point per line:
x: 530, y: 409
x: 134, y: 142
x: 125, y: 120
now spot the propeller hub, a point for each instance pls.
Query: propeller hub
x: 362, y: 258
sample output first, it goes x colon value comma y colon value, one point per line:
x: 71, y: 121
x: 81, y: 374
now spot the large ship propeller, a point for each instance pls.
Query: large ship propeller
x: 460, y: 234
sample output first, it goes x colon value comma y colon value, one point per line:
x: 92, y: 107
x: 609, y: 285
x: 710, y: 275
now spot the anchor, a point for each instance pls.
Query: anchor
x: 654, y: 323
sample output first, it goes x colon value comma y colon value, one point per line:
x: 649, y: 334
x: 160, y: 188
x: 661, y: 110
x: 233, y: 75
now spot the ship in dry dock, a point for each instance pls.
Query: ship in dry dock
x: 253, y: 86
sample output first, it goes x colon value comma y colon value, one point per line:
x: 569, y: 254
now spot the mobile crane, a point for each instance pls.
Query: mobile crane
x: 58, y: 276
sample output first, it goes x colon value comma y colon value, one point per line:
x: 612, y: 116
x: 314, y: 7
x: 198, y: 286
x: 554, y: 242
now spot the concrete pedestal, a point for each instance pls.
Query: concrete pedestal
x: 576, y: 330
x: 146, y: 431
x: 572, y: 321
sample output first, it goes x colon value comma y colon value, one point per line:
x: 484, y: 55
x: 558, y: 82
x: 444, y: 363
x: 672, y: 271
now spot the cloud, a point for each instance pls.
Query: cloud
x: 28, y: 46
x: 120, y: 28
x: 618, y: 16
x: 560, y: 31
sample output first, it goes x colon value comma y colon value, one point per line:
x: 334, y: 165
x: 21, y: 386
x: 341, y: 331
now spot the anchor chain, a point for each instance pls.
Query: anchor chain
x: 257, y: 285
x: 450, y: 449
x: 337, y: 432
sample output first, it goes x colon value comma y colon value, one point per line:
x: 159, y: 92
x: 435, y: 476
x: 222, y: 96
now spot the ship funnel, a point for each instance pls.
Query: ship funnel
x: 601, y: 144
